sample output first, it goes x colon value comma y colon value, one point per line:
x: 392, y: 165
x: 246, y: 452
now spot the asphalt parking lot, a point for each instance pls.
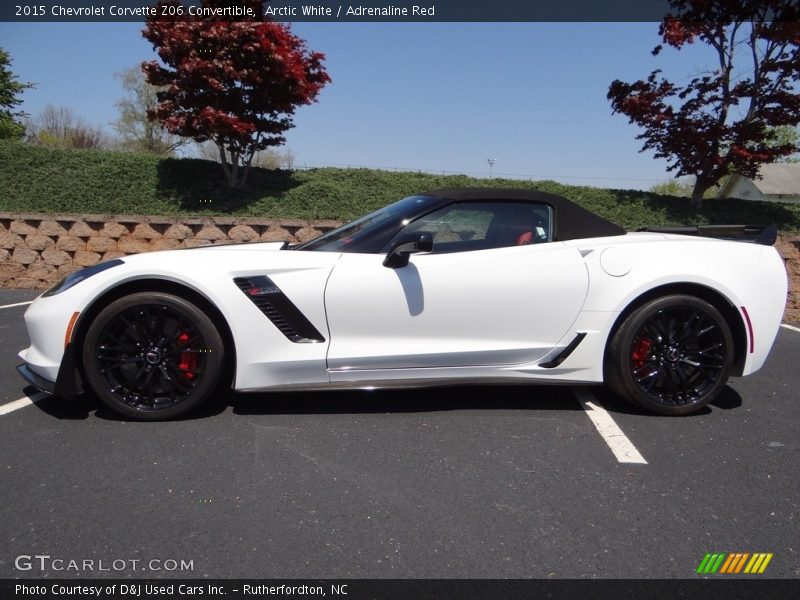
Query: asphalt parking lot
x: 500, y: 482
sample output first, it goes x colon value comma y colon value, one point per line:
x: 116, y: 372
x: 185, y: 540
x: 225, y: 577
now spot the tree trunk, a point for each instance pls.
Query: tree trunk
x: 248, y: 161
x: 245, y: 173
x: 223, y: 161
x: 234, y: 181
x: 700, y: 187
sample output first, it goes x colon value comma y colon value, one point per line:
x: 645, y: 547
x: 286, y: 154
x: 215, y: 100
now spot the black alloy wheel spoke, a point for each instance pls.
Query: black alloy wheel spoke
x: 119, y: 359
x: 714, y: 346
x: 129, y: 332
x: 682, y: 376
x: 688, y: 325
x: 118, y: 348
x: 704, y: 331
x: 147, y: 385
x: 119, y: 363
x: 168, y: 379
x: 655, y: 380
x: 648, y: 369
x: 655, y: 331
x: 158, y: 327
x: 671, y: 329
x: 140, y: 325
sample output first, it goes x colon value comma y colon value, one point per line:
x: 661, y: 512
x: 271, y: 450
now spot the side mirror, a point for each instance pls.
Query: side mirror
x: 405, y: 246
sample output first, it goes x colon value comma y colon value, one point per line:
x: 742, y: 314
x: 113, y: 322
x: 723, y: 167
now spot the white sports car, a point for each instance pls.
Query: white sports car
x: 450, y: 286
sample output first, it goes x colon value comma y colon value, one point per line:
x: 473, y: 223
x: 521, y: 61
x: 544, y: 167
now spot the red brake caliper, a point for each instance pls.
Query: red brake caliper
x: 188, y: 360
x: 641, y: 351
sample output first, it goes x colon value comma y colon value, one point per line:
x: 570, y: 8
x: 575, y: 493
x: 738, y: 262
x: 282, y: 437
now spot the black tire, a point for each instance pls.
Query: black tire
x: 152, y: 356
x: 671, y: 356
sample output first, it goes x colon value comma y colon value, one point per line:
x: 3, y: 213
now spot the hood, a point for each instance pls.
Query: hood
x: 235, y: 246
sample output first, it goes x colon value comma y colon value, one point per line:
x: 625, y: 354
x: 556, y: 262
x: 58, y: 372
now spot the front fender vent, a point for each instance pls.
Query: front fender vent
x: 271, y: 301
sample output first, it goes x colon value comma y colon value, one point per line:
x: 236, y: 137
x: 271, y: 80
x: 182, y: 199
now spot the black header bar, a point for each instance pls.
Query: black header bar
x: 328, y: 11
x: 733, y: 588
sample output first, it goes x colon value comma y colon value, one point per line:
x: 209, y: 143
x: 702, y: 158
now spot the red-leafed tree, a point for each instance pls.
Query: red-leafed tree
x: 723, y: 120
x: 235, y: 82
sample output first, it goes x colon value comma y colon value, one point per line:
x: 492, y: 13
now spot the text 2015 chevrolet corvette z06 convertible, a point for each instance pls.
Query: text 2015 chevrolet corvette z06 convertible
x: 450, y: 286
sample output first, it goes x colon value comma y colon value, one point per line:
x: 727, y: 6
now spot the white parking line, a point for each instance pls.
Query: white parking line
x: 620, y: 445
x: 792, y: 327
x: 17, y: 304
x: 22, y: 402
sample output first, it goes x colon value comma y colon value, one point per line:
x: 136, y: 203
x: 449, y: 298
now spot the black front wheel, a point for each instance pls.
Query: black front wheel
x: 672, y: 356
x: 152, y: 356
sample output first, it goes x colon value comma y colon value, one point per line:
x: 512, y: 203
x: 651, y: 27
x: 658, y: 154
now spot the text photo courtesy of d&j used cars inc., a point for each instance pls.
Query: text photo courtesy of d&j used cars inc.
x: 399, y: 300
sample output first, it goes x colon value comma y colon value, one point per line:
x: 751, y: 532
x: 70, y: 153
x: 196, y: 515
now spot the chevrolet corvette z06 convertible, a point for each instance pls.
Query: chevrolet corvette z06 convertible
x: 453, y: 286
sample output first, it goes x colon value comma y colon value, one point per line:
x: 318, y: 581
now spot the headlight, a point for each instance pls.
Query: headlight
x: 78, y: 276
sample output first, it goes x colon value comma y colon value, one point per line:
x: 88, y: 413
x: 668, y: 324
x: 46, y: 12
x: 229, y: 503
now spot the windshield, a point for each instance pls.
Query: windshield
x: 370, y: 232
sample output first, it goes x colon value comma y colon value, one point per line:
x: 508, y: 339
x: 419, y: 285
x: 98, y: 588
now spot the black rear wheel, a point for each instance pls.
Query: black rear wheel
x: 152, y: 356
x: 671, y: 356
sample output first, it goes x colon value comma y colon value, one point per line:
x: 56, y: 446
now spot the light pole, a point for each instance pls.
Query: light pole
x: 491, y: 162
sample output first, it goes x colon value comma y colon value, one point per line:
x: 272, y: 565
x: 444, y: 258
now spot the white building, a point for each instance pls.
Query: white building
x: 779, y: 182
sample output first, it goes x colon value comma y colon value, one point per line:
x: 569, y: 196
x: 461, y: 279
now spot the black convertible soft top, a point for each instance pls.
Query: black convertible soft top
x: 570, y: 221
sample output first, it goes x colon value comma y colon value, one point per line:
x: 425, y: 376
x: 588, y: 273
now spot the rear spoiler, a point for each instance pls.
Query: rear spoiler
x: 757, y: 234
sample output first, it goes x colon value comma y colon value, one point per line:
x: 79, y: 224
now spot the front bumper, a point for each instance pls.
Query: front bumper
x: 68, y: 383
x: 35, y: 380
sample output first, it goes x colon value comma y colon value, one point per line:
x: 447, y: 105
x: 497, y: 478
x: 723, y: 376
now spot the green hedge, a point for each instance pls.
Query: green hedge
x: 36, y: 179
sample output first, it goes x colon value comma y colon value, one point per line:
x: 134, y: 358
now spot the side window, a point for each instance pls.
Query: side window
x: 453, y: 224
x: 466, y: 226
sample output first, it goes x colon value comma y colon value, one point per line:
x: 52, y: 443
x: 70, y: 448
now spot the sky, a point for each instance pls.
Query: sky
x: 437, y: 97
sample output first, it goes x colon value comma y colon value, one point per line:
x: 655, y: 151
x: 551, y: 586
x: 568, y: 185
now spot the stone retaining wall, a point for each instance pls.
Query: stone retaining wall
x: 789, y: 248
x: 36, y: 250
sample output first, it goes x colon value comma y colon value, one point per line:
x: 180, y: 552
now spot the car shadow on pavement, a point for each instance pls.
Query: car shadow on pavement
x: 344, y: 402
x: 482, y: 397
x: 438, y: 399
x: 63, y: 408
x: 87, y: 405
x: 727, y: 400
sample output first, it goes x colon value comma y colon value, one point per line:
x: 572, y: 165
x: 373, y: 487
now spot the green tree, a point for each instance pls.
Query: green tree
x: 673, y: 187
x: 787, y: 135
x: 10, y: 89
x: 60, y: 127
x: 683, y: 187
x: 137, y: 132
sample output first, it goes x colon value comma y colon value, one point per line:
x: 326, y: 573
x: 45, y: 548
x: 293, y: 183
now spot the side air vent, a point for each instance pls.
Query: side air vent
x: 562, y: 356
x: 271, y: 300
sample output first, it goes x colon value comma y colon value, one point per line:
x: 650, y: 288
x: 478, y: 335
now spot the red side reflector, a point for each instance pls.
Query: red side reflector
x: 70, y: 328
x: 749, y: 330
